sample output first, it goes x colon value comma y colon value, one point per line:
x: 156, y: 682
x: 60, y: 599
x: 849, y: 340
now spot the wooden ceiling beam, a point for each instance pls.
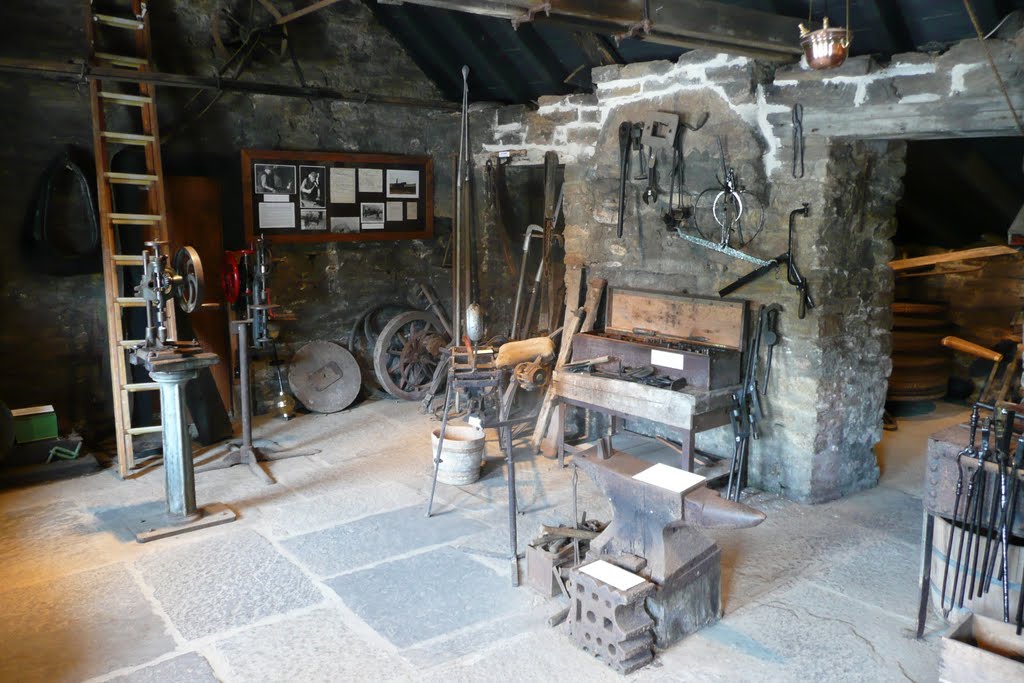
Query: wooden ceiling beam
x: 695, y: 24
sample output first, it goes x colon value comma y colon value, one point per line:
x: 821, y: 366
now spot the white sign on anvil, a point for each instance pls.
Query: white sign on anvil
x: 670, y: 478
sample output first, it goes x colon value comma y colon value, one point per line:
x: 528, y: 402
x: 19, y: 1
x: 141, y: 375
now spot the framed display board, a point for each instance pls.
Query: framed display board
x: 336, y: 197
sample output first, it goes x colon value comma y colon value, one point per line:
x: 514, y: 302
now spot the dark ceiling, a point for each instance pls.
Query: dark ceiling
x: 542, y: 58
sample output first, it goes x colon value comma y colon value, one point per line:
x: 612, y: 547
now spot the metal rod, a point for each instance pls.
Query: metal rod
x: 243, y: 385
x: 440, y: 444
x: 926, y: 573
x: 77, y: 72
x: 512, y: 508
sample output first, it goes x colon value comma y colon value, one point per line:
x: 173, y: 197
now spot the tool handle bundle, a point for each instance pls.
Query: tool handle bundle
x: 746, y: 410
x: 984, y: 509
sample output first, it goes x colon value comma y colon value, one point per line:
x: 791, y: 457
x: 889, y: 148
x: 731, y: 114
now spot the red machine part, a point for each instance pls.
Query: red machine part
x: 231, y: 275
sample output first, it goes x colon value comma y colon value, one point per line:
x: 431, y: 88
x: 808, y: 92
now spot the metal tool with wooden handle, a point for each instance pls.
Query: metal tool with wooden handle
x: 964, y: 346
x: 595, y: 289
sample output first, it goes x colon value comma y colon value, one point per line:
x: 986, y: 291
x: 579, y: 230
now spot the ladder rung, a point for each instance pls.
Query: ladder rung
x: 131, y: 100
x: 135, y: 431
x: 130, y: 178
x: 121, y: 60
x: 134, y: 218
x: 130, y: 301
x: 141, y: 386
x: 126, y: 260
x: 127, y: 138
x: 119, y: 22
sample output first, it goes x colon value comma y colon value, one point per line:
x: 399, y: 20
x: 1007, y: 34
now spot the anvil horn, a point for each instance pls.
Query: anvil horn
x: 706, y: 509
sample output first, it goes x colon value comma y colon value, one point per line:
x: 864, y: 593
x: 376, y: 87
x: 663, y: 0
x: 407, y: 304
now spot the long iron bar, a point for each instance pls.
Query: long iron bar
x: 74, y: 73
x: 968, y: 507
x: 440, y: 444
x: 975, y: 524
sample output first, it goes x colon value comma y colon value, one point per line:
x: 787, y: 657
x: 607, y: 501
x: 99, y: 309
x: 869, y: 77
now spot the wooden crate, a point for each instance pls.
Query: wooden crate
x: 981, y: 650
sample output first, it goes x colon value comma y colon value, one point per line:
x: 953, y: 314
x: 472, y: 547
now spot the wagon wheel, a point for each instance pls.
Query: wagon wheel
x: 407, y: 352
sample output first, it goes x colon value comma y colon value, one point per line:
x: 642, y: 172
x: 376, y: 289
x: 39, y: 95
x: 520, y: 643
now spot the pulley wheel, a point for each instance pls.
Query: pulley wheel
x: 190, y: 268
x: 407, y: 352
x: 325, y: 377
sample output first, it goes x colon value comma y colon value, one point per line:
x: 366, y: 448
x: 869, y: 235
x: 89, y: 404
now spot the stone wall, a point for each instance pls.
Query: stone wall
x: 827, y: 393
x: 327, y: 285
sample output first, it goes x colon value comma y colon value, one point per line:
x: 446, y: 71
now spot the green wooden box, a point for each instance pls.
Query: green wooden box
x: 38, y: 423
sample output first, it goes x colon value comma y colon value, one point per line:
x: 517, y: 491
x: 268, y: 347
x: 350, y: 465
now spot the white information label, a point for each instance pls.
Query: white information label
x: 612, y: 575
x: 277, y: 198
x: 670, y: 478
x: 343, y: 186
x: 667, y: 359
x: 394, y: 212
x: 277, y: 215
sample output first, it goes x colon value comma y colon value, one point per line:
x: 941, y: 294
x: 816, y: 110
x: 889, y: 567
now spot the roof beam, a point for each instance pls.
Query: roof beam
x: 697, y: 24
x: 890, y: 15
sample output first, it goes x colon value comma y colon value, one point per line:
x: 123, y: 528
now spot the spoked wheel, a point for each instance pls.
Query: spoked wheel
x: 408, y: 350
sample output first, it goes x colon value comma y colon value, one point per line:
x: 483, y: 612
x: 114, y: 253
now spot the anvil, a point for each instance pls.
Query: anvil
x: 660, y: 522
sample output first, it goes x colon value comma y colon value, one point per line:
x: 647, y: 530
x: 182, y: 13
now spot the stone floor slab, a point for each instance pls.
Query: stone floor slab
x: 320, y: 647
x: 794, y: 635
x: 77, y: 627
x: 45, y: 542
x: 187, y: 668
x: 375, y: 538
x: 298, y: 517
x: 427, y: 595
x: 228, y: 580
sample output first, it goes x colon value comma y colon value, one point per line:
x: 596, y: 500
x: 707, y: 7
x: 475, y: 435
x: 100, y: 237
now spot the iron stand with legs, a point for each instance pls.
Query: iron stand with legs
x: 244, y: 452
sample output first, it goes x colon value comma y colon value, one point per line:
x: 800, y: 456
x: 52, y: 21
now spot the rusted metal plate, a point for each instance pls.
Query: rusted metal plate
x: 324, y: 377
x: 698, y: 320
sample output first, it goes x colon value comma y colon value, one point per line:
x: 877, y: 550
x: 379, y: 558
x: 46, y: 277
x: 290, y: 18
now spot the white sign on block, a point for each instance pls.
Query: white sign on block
x: 667, y: 359
x: 617, y: 577
x: 670, y: 478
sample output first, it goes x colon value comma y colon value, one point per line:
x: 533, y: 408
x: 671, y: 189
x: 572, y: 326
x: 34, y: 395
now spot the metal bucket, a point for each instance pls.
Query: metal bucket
x: 461, y: 456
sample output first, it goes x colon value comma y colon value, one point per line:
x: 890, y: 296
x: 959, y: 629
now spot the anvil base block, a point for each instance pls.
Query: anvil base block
x: 609, y: 623
x: 689, y: 600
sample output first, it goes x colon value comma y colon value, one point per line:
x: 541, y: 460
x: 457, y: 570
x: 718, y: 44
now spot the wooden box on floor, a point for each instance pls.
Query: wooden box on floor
x: 981, y: 650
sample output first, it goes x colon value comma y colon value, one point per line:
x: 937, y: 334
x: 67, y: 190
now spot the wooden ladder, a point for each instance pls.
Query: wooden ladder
x: 119, y: 37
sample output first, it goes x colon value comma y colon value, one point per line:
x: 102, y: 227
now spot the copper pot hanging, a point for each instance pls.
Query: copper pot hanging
x: 825, y: 48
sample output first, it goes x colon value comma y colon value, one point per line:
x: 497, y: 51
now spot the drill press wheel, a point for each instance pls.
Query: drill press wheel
x: 190, y: 292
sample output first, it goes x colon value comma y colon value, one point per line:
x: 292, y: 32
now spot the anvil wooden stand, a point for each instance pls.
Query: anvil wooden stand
x: 244, y: 453
x: 172, y: 370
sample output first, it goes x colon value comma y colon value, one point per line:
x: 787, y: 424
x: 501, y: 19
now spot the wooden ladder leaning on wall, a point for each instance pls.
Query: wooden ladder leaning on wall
x: 119, y: 37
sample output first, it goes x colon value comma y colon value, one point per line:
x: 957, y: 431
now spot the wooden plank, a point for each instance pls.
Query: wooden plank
x: 626, y: 399
x: 981, y: 650
x: 703, y: 320
x: 950, y: 257
x: 700, y: 24
x: 595, y: 289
